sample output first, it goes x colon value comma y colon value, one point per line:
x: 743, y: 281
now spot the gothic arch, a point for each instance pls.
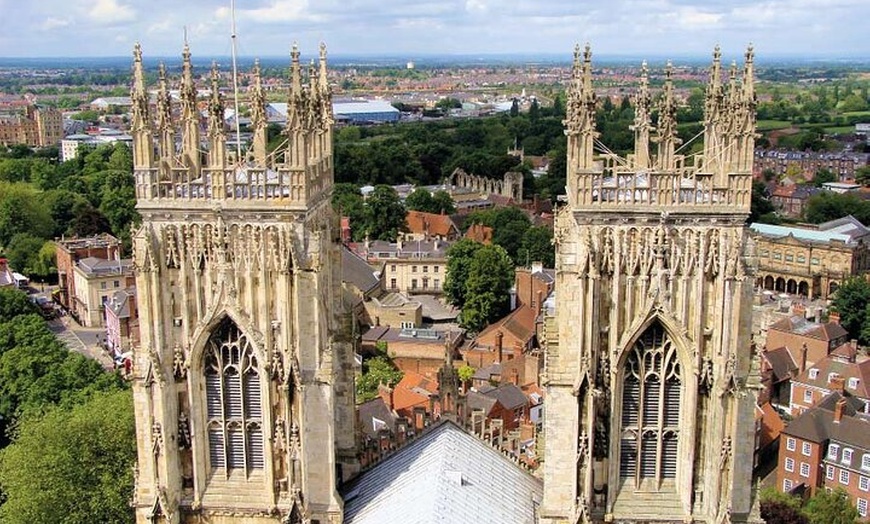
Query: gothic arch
x: 652, y: 395
x: 202, y: 333
x: 674, y: 329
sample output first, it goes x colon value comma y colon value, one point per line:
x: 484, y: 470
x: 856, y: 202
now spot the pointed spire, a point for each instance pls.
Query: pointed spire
x: 641, y: 125
x: 138, y: 73
x: 716, y: 71
x: 258, y: 116
x: 141, y: 125
x: 587, y: 68
x: 749, y: 75
x: 295, y: 71
x: 189, y: 113
x: 217, y: 137
x: 164, y: 107
x: 324, y: 81
x: 666, y: 131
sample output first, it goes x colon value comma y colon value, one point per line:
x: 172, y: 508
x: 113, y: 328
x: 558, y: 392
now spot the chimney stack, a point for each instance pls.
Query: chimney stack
x: 838, y: 410
x: 834, y: 317
x: 838, y: 384
x: 539, y: 304
x: 499, y: 336
x: 804, y: 357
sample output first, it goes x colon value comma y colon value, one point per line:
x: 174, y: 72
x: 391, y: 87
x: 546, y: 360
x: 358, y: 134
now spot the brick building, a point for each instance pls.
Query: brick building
x: 828, y: 447
x: 33, y: 125
x: 810, y: 261
x: 71, y: 250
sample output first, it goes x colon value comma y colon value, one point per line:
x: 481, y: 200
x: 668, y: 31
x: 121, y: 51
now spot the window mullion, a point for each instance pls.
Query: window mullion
x: 223, y: 421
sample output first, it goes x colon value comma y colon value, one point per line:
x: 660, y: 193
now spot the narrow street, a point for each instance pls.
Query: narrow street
x: 81, y: 340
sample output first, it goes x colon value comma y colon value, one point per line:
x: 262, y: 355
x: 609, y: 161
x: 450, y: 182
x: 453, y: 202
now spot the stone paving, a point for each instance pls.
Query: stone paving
x: 81, y: 340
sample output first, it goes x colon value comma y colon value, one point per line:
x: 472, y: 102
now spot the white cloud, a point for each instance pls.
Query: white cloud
x: 278, y: 11
x: 111, y: 11
x: 54, y: 23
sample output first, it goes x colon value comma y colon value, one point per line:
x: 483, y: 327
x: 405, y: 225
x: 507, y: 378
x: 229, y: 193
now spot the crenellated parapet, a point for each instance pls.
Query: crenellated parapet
x: 174, y: 163
x: 718, y: 180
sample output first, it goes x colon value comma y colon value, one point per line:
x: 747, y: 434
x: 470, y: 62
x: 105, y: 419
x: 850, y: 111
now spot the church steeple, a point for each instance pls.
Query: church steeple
x: 141, y: 118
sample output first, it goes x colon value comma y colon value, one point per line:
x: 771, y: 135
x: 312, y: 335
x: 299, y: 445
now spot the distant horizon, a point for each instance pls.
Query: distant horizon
x: 444, y: 59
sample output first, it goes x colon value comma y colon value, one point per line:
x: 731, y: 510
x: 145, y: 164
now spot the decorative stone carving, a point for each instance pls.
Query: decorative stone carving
x: 179, y: 363
x: 183, y: 431
x: 156, y: 438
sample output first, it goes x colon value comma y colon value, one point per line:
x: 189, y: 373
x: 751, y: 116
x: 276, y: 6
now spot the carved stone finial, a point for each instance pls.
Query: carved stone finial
x: 137, y: 53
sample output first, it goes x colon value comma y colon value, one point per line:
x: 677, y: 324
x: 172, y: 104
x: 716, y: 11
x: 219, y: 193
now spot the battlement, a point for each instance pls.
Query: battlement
x: 614, y: 187
x: 717, y: 179
x: 180, y: 156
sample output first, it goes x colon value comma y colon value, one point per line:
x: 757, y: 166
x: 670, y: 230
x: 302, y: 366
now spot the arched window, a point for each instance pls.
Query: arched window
x: 233, y: 403
x: 650, y: 409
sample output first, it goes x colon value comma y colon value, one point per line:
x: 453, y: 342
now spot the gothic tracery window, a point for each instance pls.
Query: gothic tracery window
x: 233, y: 401
x: 650, y: 409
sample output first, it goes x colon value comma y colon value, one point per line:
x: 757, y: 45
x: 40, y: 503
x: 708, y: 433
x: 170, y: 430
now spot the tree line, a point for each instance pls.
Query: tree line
x: 42, y: 198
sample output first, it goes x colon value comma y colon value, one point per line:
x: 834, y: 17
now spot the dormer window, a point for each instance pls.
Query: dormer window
x: 853, y: 383
x: 865, y: 461
x: 847, y: 456
x: 814, y: 373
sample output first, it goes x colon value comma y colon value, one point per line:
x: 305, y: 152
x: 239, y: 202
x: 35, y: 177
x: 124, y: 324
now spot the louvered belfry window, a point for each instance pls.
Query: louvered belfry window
x: 233, y: 402
x: 651, y: 394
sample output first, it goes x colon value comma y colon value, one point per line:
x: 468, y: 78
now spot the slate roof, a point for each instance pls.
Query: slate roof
x: 781, y: 362
x: 817, y: 424
x: 100, y: 267
x: 847, y: 230
x: 434, y: 309
x: 478, y: 400
x: 843, y: 368
x: 446, y: 476
x: 356, y: 271
x: 801, y: 326
x: 509, y: 396
x: 375, y: 415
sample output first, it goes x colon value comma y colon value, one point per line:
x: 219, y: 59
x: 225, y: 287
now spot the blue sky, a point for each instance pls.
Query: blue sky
x: 813, y: 28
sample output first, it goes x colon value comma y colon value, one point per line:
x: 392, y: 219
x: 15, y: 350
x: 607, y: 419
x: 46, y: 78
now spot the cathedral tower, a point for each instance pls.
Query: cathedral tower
x: 243, y: 377
x: 650, y: 388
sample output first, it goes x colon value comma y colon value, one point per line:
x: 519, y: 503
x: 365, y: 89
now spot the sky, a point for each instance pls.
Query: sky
x: 782, y: 28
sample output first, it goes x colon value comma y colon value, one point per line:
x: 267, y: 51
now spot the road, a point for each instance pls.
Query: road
x: 81, y: 340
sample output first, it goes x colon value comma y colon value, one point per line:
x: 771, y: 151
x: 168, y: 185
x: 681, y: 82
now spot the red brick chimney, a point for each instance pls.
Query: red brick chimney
x: 838, y: 384
x: 538, y: 304
x: 804, y: 357
x: 499, y: 337
x: 838, y: 410
x: 345, y: 230
x: 834, y: 317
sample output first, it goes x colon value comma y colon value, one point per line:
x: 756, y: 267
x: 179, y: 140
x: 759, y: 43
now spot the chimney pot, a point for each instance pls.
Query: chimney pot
x: 838, y: 410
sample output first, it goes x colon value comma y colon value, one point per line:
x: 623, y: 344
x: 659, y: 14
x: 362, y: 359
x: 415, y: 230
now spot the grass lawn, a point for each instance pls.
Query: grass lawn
x: 772, y: 125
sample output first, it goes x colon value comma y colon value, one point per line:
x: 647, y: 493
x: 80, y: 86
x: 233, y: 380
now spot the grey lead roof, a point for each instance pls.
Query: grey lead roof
x: 446, y: 476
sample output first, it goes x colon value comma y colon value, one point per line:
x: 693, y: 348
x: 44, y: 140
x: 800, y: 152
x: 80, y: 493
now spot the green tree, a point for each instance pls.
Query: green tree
x: 377, y: 370
x: 537, y: 246
x: 862, y: 175
x: 347, y: 201
x: 385, y: 214
x: 760, y: 204
x: 827, y: 206
x: 851, y: 301
x: 465, y: 373
x: 23, y: 211
x: 823, y: 176
x: 831, y: 508
x: 23, y: 252
x: 14, y: 303
x: 459, y: 257
x: 121, y: 158
x: 781, y: 508
x: 420, y: 200
x: 72, y: 466
x: 490, y: 277
x: 443, y: 202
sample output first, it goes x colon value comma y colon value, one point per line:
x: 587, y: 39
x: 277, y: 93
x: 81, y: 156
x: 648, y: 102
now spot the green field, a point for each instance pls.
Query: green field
x: 772, y: 125
x: 840, y: 130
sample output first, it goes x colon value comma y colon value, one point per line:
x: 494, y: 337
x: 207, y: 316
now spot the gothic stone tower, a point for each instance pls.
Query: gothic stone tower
x: 243, y: 378
x: 650, y: 393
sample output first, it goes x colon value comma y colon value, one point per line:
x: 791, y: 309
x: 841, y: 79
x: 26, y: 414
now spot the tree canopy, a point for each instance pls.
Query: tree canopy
x: 852, y: 302
x: 490, y: 277
x: 73, y: 465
